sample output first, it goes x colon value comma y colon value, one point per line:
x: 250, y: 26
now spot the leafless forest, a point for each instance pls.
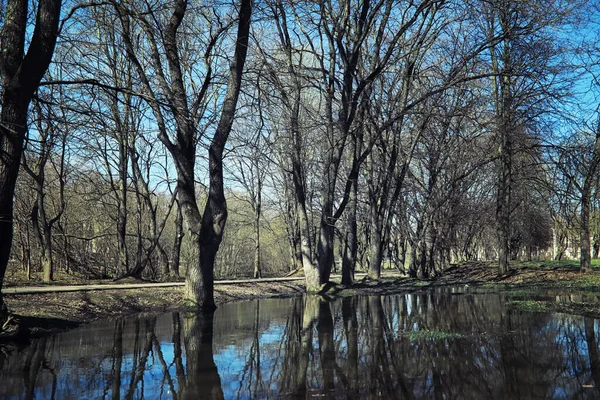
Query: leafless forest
x: 202, y: 139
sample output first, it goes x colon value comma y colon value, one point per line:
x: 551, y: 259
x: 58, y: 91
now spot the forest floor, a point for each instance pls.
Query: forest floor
x: 548, y: 286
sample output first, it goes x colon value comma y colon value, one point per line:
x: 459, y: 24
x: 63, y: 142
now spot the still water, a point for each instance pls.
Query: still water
x: 430, y: 345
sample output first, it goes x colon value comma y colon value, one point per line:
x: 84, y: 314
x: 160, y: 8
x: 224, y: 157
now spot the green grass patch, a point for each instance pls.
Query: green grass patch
x: 427, y: 334
x: 551, y: 263
x: 522, y: 292
x: 555, y: 264
x: 528, y: 305
x: 588, y: 281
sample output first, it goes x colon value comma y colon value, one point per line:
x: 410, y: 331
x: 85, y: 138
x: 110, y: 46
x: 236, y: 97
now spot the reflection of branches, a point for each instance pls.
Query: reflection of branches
x: 163, y: 364
x: 139, y: 365
x: 117, y: 361
x: 290, y: 342
x: 380, y: 353
x: 593, y: 354
x: 177, y: 350
x: 396, y: 357
x: 350, y: 382
x: 253, y: 362
x: 33, y: 364
x: 376, y: 351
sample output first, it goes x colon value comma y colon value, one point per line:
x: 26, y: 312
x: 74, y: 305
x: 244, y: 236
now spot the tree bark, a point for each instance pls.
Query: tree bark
x: 311, y: 271
x: 586, y: 191
x: 351, y: 248
x: 325, y: 248
x: 122, y: 203
x: 21, y: 74
x: 179, y: 234
x: 257, y: 213
x: 199, y: 284
x: 503, y: 203
x: 502, y: 85
x: 376, y: 254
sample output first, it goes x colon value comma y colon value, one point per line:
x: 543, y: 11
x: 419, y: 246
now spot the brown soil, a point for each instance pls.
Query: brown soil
x: 38, y: 313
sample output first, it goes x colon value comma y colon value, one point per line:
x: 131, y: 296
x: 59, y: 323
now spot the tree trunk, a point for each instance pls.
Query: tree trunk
x: 42, y: 227
x: 326, y: 249
x: 376, y: 254
x: 312, y: 274
x: 43, y: 231
x: 586, y: 191
x: 351, y: 248
x: 502, y: 66
x: 196, y: 291
x: 200, y: 290
x: 584, y: 231
x: 257, y: 210
x: 257, y: 261
x: 179, y: 234
x: 47, y: 256
x: 504, y: 200
x: 415, y: 258
x: 298, y: 251
x: 20, y: 76
x: 121, y: 195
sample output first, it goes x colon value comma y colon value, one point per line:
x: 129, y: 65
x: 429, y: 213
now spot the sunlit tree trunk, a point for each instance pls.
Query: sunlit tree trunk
x: 586, y: 194
x: 199, y: 284
x: 257, y: 215
x: 205, y: 230
x: 179, y: 234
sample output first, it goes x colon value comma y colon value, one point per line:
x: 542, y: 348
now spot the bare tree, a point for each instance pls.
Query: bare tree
x: 21, y: 73
x: 525, y: 65
x: 52, y: 132
x: 205, y: 229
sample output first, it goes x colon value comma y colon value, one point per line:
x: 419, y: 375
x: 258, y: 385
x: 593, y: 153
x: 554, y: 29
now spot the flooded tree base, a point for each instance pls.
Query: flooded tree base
x: 35, y: 314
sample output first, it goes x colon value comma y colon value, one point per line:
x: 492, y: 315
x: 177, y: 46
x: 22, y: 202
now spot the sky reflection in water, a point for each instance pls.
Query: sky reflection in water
x: 429, y: 345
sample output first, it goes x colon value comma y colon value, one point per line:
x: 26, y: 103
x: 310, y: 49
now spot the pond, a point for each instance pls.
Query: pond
x: 422, y: 345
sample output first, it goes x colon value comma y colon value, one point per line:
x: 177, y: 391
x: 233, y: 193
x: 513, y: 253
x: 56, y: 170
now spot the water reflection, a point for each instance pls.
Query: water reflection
x: 430, y: 345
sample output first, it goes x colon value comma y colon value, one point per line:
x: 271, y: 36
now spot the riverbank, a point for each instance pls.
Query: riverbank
x: 38, y: 313
x: 530, y: 287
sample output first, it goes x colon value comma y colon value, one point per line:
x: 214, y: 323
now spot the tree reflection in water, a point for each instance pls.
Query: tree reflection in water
x: 429, y: 345
x: 202, y: 378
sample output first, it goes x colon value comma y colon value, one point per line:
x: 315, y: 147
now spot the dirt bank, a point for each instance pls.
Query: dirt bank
x: 38, y: 313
